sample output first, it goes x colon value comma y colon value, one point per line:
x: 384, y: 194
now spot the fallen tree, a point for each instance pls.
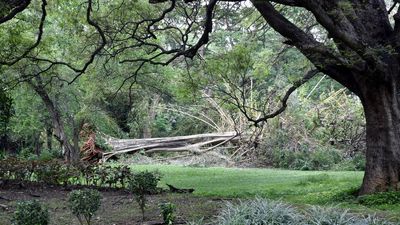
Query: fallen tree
x: 196, y: 144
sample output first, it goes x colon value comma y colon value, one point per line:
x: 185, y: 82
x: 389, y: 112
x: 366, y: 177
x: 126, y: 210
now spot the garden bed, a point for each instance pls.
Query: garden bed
x: 117, y: 206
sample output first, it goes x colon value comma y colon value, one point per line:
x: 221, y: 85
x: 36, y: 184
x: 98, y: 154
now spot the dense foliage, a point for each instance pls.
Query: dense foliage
x: 30, y: 213
x: 57, y: 172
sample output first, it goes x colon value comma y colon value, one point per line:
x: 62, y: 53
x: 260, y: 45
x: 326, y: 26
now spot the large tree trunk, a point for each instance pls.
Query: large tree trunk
x: 381, y: 106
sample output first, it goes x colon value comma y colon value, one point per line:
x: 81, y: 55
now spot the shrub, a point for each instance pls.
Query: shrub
x: 265, y: 212
x: 142, y: 184
x: 373, y: 220
x: 168, y: 212
x: 47, y: 154
x: 329, y: 216
x: 52, y: 172
x: 348, y: 195
x: 30, y: 213
x: 258, y: 212
x: 359, y: 161
x: 334, y: 216
x: 84, y: 203
x: 321, y: 159
x: 384, y: 198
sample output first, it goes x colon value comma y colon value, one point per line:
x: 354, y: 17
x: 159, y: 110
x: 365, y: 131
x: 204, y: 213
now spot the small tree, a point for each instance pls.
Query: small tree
x: 30, y: 213
x: 84, y: 203
x: 142, y: 184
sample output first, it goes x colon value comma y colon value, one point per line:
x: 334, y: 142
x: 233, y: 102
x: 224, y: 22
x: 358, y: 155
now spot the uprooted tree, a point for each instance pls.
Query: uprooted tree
x: 355, y: 42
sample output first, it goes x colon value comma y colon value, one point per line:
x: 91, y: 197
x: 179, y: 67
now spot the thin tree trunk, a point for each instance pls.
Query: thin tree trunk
x: 49, y: 137
x: 152, y: 106
x: 382, y: 112
x: 37, y: 144
x: 71, y: 155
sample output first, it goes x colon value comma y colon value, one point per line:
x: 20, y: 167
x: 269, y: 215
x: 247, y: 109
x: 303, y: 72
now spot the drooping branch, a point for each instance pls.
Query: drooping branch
x: 102, y: 42
x: 38, y: 39
x: 99, y: 48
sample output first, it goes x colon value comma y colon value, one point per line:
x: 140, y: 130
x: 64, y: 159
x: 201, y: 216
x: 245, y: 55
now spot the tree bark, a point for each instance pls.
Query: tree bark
x: 382, y: 113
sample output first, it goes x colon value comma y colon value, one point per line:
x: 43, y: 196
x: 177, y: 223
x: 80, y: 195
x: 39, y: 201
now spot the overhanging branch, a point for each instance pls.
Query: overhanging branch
x: 99, y: 48
x: 38, y: 39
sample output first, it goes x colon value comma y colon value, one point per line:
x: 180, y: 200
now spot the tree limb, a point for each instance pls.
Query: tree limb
x: 310, y: 74
x: 38, y: 39
x: 17, y: 9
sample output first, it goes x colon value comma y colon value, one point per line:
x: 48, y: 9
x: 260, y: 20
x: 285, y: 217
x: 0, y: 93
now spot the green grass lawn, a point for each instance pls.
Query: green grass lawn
x: 297, y: 187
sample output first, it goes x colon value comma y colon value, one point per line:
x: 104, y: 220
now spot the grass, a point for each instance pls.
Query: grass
x: 297, y: 187
x: 310, y: 187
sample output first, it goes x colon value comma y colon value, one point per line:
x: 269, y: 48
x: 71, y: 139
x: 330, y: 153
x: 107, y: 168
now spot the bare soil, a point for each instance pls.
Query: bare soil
x: 118, y: 207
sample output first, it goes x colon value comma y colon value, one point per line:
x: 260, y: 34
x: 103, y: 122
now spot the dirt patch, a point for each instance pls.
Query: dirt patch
x: 117, y: 206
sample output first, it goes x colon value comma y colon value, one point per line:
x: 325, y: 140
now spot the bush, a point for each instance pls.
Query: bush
x: 265, y: 212
x: 30, y: 213
x: 168, y: 212
x: 258, y: 212
x: 359, y: 161
x: 348, y: 195
x: 321, y: 159
x: 334, y: 216
x: 142, y: 184
x: 56, y: 172
x: 384, y: 198
x: 328, y: 216
x: 84, y: 203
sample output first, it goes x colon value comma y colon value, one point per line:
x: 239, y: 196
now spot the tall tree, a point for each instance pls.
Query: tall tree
x: 364, y: 59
